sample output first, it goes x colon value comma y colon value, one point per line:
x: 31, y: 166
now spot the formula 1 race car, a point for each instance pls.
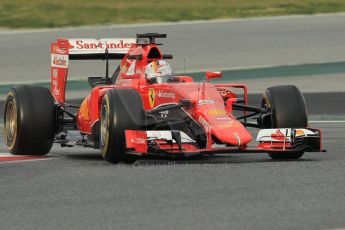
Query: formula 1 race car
x: 143, y: 109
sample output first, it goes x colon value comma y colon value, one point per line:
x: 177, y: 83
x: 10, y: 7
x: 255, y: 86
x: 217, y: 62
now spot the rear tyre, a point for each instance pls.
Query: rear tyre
x: 288, y: 110
x: 29, y: 120
x: 121, y: 110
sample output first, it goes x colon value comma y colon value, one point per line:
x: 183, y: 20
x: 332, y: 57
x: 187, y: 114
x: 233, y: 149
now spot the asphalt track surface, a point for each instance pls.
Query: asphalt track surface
x: 73, y: 188
x: 76, y: 189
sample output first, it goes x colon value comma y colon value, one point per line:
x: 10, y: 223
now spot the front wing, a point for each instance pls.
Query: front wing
x: 177, y: 143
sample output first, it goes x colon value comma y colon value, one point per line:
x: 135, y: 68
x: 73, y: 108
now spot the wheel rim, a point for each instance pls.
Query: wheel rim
x: 104, y: 126
x: 267, y: 105
x: 11, y: 122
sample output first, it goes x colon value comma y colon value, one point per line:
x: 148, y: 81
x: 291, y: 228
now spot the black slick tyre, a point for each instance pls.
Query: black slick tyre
x: 29, y: 120
x: 288, y: 110
x: 121, y: 110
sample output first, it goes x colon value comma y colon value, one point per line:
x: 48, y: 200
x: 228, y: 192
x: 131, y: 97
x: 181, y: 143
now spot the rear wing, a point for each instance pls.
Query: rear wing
x: 64, y: 50
x: 112, y: 48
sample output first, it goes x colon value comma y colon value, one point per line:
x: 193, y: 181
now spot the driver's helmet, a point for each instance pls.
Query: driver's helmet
x: 158, y: 72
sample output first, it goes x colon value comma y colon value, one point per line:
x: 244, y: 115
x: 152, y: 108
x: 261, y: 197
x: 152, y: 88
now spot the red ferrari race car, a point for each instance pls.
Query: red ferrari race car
x: 144, y: 109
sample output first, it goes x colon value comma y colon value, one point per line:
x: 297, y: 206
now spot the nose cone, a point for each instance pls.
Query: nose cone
x: 232, y: 132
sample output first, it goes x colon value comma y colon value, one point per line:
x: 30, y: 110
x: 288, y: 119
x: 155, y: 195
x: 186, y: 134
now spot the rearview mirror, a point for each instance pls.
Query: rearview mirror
x: 210, y: 75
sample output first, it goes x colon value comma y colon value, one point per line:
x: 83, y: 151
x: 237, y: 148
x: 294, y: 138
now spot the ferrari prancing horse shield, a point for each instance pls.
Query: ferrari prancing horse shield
x: 152, y: 97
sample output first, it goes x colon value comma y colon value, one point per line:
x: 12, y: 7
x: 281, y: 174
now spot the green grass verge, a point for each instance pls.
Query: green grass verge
x: 54, y: 13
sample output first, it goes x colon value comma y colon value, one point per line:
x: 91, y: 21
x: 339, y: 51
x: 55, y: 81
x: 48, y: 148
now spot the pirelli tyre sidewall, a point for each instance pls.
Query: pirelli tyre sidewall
x: 288, y: 110
x: 121, y: 110
x: 29, y: 120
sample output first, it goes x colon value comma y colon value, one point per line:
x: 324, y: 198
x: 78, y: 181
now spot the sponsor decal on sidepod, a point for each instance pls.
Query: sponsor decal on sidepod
x: 163, y: 94
x: 216, y: 112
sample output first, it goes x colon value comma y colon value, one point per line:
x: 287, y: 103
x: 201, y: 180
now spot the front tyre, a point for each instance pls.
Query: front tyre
x: 29, y: 120
x: 121, y: 110
x: 288, y: 110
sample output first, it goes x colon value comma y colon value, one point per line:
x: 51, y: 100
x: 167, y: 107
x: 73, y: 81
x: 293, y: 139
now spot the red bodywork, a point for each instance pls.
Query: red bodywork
x: 211, y: 103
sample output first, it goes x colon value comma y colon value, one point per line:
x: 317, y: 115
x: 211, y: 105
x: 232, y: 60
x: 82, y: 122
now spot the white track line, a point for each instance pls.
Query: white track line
x: 20, y: 161
x: 327, y: 121
x: 6, y: 155
x: 24, y: 160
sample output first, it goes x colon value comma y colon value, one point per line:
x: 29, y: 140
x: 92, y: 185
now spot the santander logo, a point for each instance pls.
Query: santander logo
x: 279, y: 136
x: 96, y: 44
